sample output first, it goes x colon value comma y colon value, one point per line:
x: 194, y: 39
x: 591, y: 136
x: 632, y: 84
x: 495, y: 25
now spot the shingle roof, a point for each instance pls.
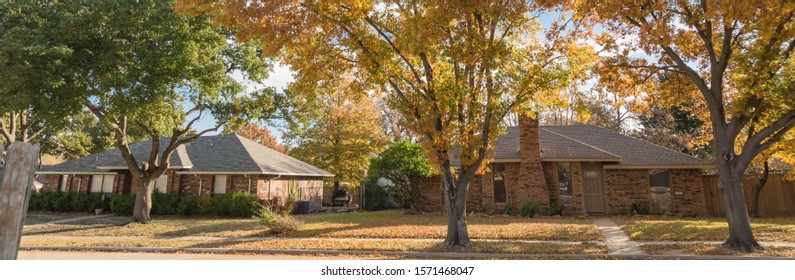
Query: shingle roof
x: 633, y: 151
x: 589, y: 142
x: 235, y: 153
x: 104, y: 161
x: 221, y: 154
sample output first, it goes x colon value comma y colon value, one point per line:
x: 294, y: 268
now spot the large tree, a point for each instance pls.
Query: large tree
x: 30, y: 70
x: 735, y: 55
x: 403, y: 163
x: 139, y: 64
x: 341, y: 137
x: 453, y: 69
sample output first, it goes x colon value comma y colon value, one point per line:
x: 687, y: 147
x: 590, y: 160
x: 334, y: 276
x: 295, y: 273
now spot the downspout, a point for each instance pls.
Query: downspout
x: 79, y: 182
x: 200, y: 185
x: 249, y: 182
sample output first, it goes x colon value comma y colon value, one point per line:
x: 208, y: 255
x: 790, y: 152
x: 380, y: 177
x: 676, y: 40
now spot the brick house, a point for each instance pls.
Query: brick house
x: 589, y: 169
x: 211, y: 165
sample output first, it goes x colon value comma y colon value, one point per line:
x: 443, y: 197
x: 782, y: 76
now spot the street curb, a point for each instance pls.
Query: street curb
x: 442, y: 255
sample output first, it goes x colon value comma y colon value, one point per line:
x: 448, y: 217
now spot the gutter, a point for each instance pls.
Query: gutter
x: 253, y: 173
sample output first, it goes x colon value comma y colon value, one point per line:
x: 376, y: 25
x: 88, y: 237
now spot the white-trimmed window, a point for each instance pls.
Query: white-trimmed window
x: 219, y: 184
x: 62, y: 185
x: 564, y: 182
x: 102, y: 183
x: 161, y: 184
x: 660, y: 183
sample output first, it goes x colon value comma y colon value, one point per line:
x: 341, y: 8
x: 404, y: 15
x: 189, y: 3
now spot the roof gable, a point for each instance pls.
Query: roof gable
x: 593, y: 143
x: 112, y: 159
x: 218, y: 154
x: 632, y: 151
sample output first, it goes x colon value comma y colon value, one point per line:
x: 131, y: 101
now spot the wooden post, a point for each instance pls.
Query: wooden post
x: 16, y: 183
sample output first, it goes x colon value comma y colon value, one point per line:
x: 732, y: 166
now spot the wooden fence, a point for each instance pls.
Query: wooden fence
x: 776, y: 199
x: 16, y: 184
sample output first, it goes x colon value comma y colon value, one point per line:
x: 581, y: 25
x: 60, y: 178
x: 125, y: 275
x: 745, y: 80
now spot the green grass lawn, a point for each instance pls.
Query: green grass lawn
x: 380, y: 224
x: 703, y: 229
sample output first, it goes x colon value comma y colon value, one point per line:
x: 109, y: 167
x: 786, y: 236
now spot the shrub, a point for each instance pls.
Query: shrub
x: 277, y: 223
x: 163, y: 203
x: 375, y: 196
x: 242, y: 204
x: 508, y: 210
x: 205, y: 204
x: 266, y: 217
x: 188, y: 205
x: 556, y: 209
x: 220, y: 205
x: 35, y: 201
x: 528, y: 209
x: 285, y: 224
x: 238, y: 204
x: 61, y: 202
x: 639, y: 208
x: 77, y: 202
x: 48, y: 200
x: 123, y: 204
x: 94, y: 201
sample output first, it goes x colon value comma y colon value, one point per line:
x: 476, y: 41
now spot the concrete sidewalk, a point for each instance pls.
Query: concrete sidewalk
x: 618, y: 242
x: 335, y: 254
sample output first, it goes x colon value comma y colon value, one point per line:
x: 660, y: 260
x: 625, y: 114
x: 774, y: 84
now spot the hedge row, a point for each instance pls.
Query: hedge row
x: 66, y: 202
x: 236, y: 204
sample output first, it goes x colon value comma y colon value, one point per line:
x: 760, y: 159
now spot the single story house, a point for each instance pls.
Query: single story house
x: 589, y: 169
x: 210, y: 165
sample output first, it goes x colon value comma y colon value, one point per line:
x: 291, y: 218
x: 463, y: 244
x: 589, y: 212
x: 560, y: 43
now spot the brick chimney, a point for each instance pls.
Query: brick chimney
x: 532, y: 184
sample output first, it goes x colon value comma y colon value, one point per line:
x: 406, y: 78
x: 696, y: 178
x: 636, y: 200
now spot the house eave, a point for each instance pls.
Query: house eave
x: 580, y: 159
x: 74, y: 173
x: 125, y: 167
x: 251, y: 173
x: 671, y: 166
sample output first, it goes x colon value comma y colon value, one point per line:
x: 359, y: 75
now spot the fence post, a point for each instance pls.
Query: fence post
x: 16, y: 183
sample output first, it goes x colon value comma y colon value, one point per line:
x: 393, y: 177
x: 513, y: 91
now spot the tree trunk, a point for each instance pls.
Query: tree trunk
x: 740, y: 235
x: 455, y: 206
x: 414, y: 193
x: 758, y: 190
x: 143, y: 201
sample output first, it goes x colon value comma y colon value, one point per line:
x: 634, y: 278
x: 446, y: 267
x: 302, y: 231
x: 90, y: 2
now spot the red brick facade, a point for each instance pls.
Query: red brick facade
x: 530, y: 179
x: 266, y: 187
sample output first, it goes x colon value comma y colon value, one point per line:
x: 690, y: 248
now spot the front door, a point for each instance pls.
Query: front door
x: 593, y: 187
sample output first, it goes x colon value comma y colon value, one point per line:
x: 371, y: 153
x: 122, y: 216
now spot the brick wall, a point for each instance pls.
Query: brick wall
x: 551, y: 176
x: 689, y: 183
x: 533, y: 185
x: 624, y: 187
x: 277, y: 190
x: 52, y: 183
x: 431, y: 195
x: 195, y: 184
x: 577, y: 190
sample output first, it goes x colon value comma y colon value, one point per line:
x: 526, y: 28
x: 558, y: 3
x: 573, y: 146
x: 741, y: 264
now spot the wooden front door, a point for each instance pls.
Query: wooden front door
x: 593, y: 187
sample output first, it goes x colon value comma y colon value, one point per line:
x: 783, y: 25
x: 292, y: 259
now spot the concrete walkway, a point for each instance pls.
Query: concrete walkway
x: 617, y: 240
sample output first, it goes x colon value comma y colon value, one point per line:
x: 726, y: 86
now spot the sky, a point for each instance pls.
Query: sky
x: 279, y: 78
